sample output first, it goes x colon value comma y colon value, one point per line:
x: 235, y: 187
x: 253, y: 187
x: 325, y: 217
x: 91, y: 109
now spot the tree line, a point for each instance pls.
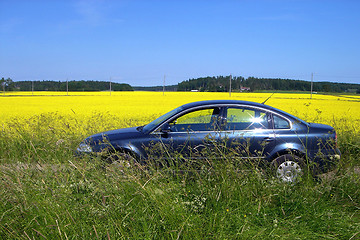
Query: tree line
x: 169, y: 88
x: 222, y: 84
x: 46, y: 85
x: 204, y: 84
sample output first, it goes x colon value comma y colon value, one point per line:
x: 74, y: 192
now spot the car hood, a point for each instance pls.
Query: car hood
x: 114, y: 135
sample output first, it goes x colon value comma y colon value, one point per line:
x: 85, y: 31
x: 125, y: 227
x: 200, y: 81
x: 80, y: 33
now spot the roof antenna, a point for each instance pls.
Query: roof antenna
x: 268, y: 98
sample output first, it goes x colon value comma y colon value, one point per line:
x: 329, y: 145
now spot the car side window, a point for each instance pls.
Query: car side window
x: 198, y: 120
x: 280, y: 123
x: 238, y: 118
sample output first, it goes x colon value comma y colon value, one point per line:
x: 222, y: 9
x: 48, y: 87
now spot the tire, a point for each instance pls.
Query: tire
x: 120, y: 161
x: 116, y: 156
x: 288, y: 168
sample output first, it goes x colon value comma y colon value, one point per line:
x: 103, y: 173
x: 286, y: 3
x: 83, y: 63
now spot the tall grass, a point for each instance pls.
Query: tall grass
x: 47, y: 193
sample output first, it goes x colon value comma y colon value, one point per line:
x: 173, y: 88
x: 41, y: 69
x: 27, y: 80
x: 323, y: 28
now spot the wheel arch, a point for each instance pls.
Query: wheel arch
x: 127, y: 150
x: 285, y: 151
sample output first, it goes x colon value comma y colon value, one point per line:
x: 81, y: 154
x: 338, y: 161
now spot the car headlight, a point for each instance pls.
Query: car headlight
x: 85, y: 148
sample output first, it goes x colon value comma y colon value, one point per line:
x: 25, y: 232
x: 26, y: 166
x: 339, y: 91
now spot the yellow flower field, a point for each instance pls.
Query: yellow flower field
x: 145, y: 106
x: 44, y: 185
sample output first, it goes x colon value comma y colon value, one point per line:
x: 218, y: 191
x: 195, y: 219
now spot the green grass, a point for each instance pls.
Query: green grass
x: 45, y: 193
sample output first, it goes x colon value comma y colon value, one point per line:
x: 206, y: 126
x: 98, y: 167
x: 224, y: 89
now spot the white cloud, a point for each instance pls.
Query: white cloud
x: 90, y: 12
x: 282, y: 17
x: 9, y: 25
x: 94, y: 12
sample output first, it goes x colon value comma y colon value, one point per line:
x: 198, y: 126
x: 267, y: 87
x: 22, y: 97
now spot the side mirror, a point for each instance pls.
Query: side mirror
x: 165, y: 128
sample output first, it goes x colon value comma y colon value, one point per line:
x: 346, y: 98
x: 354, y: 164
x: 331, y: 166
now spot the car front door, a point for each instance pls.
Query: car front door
x: 187, y: 134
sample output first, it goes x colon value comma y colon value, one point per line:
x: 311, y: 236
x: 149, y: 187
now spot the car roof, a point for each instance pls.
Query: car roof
x: 223, y: 102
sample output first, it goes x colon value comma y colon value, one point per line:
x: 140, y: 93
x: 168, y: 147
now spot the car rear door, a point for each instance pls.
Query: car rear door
x: 247, y: 131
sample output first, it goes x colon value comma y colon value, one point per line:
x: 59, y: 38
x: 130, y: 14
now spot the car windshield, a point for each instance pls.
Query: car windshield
x: 149, y: 127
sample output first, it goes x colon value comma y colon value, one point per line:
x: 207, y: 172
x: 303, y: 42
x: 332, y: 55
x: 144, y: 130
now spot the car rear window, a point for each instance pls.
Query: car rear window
x: 280, y: 123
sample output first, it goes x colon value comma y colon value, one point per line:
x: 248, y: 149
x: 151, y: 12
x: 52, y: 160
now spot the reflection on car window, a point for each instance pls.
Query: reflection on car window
x: 147, y: 128
x: 245, y: 119
x: 280, y: 123
x: 200, y: 120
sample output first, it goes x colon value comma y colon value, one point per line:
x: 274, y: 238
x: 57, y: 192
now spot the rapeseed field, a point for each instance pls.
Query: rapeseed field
x: 48, y: 193
x: 146, y: 105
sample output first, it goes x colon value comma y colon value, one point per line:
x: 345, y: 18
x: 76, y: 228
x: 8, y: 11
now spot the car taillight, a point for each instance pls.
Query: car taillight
x: 336, y: 145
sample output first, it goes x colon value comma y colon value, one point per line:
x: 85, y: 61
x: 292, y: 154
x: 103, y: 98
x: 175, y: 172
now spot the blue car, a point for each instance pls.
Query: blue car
x: 248, y: 129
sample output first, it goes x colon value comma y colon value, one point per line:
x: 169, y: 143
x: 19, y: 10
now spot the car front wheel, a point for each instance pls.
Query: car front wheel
x: 120, y: 161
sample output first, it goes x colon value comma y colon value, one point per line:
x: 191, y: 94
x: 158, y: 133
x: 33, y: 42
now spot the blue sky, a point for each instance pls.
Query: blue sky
x: 138, y: 42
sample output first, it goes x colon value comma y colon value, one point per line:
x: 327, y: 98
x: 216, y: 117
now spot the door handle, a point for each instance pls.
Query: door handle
x: 268, y: 139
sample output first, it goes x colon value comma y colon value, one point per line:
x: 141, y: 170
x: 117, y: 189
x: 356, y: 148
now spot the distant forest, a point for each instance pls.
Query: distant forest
x: 222, y: 84
x: 61, y: 86
x: 205, y: 84
x: 169, y: 88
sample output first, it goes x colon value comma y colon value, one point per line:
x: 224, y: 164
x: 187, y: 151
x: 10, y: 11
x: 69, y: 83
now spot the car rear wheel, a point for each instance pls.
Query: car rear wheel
x: 288, y: 168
